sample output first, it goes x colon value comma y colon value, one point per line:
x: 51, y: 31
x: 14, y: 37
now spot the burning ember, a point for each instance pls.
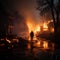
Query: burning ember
x: 8, y: 40
x: 36, y: 27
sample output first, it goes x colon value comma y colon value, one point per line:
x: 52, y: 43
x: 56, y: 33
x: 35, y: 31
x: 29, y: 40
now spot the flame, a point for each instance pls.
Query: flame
x: 45, y: 27
x: 38, y: 43
x: 45, y: 45
x: 33, y: 27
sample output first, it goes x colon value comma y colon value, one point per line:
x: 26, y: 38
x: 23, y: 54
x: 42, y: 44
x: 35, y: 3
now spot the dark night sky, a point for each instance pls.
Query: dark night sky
x: 26, y: 8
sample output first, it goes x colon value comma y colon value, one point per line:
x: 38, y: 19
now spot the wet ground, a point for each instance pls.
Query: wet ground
x: 25, y: 54
x: 20, y: 53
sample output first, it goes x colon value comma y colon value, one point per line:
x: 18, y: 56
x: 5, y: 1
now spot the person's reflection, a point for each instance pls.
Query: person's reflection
x: 31, y: 36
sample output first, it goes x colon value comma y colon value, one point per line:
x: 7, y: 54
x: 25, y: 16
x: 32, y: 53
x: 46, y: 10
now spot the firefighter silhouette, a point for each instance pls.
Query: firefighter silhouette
x: 32, y: 35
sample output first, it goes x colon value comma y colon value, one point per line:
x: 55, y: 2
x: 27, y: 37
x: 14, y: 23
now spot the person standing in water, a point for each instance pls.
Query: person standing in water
x: 31, y: 36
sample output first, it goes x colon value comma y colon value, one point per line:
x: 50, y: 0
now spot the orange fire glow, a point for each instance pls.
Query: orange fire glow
x: 45, y: 45
x: 36, y: 27
x: 45, y: 26
x: 8, y: 40
x: 33, y: 27
x: 52, y: 30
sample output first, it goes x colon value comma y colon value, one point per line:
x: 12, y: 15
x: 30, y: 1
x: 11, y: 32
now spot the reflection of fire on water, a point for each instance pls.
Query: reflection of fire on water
x: 44, y: 45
